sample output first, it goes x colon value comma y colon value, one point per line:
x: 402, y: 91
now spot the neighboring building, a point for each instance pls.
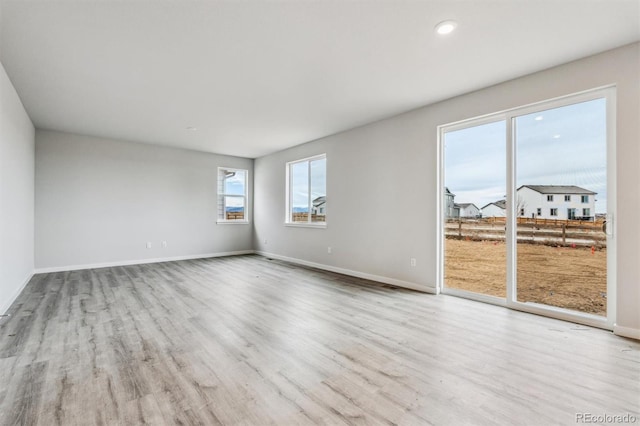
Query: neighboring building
x: 495, y: 209
x: 467, y: 210
x: 319, y: 206
x: 556, y: 202
x: 449, y: 205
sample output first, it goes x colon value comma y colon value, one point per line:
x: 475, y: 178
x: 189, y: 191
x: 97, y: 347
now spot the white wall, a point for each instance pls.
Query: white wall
x: 396, y: 160
x: 469, y: 211
x: 100, y: 201
x: 375, y: 204
x: 530, y: 200
x: 493, y: 211
x: 16, y: 194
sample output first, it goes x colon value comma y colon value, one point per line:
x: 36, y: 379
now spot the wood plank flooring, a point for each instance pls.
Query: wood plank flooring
x: 250, y: 341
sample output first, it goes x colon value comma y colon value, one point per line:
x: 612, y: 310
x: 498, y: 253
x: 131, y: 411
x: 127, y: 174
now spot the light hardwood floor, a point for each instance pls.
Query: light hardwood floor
x: 251, y: 341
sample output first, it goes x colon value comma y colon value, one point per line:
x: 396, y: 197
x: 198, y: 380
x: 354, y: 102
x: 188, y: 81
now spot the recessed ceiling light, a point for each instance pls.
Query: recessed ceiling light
x: 556, y: 136
x: 446, y: 27
x: 193, y: 129
x: 539, y: 118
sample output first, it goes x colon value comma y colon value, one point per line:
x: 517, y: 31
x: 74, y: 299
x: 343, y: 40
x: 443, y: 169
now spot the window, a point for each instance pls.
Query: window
x: 567, y: 197
x: 584, y: 198
x: 232, y: 195
x: 307, y: 191
x: 539, y: 211
x: 532, y: 135
x: 586, y: 212
x: 521, y: 212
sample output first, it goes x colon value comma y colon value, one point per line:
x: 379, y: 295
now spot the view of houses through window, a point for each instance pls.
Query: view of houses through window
x: 307, y: 190
x: 475, y: 187
x: 561, y: 167
x: 559, y: 206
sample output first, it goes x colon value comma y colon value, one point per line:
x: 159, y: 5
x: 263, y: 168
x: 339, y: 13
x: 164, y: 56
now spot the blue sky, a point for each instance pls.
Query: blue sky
x: 560, y: 146
x: 300, y: 181
x: 235, y: 185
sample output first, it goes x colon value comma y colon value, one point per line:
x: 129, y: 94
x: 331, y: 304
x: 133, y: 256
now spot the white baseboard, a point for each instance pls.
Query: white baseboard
x: 7, y: 304
x: 139, y: 262
x: 632, y: 333
x: 366, y: 276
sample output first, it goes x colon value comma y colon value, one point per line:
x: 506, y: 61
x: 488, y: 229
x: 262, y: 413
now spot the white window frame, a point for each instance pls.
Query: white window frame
x: 289, y: 195
x: 567, y: 198
x: 584, y: 199
x: 221, y: 197
x: 609, y: 94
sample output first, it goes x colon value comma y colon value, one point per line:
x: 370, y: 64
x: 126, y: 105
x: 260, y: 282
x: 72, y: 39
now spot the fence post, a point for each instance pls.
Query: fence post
x: 459, y: 227
x: 564, y: 234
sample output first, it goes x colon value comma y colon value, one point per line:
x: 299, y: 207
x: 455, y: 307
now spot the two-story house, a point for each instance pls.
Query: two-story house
x: 564, y: 202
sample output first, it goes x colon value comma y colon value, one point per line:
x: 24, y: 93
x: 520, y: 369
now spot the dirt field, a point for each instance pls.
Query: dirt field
x: 573, y: 278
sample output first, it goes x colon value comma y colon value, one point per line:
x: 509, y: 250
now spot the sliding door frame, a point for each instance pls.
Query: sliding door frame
x: 509, y: 116
x: 460, y: 125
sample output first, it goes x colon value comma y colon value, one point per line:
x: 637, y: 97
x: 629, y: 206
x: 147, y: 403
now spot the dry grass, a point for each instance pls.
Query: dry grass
x: 572, y: 278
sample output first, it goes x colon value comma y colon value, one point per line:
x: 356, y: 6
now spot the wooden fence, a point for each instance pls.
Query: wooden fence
x: 597, y: 223
x: 540, y: 231
x: 235, y: 215
x: 304, y: 217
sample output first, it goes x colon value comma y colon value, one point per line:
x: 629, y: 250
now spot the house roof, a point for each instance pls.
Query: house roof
x: 500, y: 204
x: 319, y: 201
x: 465, y: 205
x: 558, y: 189
x: 446, y: 191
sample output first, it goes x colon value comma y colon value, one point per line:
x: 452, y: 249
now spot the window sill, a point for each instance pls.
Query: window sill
x: 232, y: 222
x: 306, y: 225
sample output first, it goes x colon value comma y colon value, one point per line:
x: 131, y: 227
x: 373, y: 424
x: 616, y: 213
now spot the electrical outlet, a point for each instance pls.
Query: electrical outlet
x: 413, y: 261
x: 164, y: 244
x: 329, y: 250
x: 148, y: 245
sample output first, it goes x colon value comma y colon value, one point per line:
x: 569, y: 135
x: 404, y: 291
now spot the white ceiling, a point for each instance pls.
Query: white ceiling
x: 255, y: 77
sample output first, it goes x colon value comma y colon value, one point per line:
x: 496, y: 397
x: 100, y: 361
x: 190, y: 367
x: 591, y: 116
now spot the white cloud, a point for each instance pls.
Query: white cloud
x: 475, y: 158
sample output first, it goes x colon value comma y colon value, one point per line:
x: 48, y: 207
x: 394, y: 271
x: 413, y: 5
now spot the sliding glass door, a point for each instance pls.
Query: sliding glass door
x: 475, y: 180
x: 541, y: 238
x: 561, y: 197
